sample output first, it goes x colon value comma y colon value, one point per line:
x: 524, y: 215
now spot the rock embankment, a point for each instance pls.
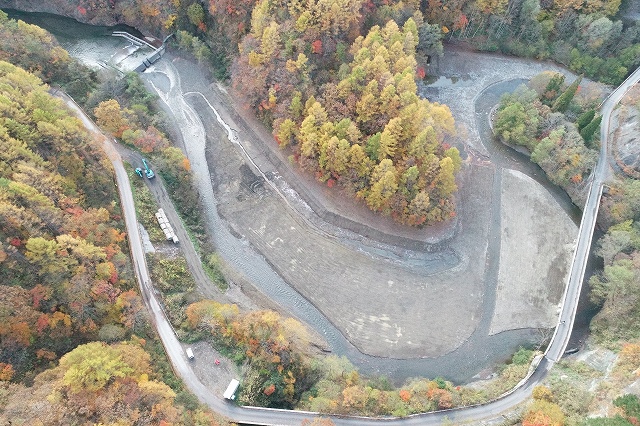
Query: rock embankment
x: 68, y: 8
x: 626, y: 140
x: 108, y: 13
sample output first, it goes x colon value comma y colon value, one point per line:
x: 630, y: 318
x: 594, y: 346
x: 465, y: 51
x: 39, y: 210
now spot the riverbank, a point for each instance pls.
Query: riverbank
x: 253, y: 210
x: 399, y: 305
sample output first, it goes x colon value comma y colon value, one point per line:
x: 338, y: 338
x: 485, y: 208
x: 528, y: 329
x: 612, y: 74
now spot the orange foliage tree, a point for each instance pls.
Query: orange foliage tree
x: 273, y: 347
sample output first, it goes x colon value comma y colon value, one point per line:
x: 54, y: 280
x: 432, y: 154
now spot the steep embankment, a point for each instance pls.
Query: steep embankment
x: 145, y: 16
x: 71, y: 9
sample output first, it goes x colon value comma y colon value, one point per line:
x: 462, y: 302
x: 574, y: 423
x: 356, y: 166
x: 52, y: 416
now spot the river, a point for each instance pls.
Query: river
x: 92, y: 45
x: 95, y: 45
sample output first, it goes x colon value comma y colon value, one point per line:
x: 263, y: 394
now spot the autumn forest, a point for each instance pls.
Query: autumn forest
x: 336, y: 79
x: 67, y: 288
x: 336, y: 82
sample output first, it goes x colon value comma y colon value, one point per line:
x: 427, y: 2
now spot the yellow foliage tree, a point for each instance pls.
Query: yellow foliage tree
x: 110, y: 116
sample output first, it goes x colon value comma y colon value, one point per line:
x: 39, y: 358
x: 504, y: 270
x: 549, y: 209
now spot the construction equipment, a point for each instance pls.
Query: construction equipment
x: 139, y: 171
x: 147, y: 170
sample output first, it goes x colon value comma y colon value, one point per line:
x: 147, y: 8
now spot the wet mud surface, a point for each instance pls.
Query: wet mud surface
x: 402, y: 306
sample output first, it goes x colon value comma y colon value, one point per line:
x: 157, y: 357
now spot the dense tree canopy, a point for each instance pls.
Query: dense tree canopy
x: 362, y: 126
x: 99, y: 384
x: 37, y: 51
x: 529, y: 118
x: 586, y: 36
x: 63, y: 266
x: 66, y: 279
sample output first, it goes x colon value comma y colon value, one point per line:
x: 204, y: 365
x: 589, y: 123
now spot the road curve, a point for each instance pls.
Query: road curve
x: 562, y: 333
x: 265, y: 416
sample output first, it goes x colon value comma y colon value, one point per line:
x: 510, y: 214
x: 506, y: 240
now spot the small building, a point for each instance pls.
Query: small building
x: 230, y: 393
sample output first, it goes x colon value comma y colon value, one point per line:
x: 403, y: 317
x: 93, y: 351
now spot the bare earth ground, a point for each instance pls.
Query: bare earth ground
x: 215, y: 377
x: 422, y: 293
x: 535, y: 254
x: 526, y: 296
x: 385, y: 309
x: 377, y: 296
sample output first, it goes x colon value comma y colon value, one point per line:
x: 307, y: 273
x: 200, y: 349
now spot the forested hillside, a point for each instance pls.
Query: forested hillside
x: 354, y: 121
x: 65, y: 277
x: 586, y: 35
x: 336, y: 79
x: 63, y: 263
x: 38, y: 52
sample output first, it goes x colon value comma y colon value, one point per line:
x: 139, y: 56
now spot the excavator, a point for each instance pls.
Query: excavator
x: 147, y: 171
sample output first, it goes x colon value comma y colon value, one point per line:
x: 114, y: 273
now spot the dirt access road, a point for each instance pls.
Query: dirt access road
x: 402, y: 293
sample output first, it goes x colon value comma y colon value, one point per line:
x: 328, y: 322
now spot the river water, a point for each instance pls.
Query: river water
x: 92, y: 45
x: 95, y: 46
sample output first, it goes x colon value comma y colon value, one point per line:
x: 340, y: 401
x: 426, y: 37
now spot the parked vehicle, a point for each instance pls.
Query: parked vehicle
x: 147, y: 170
x: 189, y: 352
x: 230, y: 393
x: 139, y: 171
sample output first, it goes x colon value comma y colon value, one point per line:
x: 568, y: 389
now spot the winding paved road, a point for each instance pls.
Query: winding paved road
x: 263, y: 416
x: 562, y: 333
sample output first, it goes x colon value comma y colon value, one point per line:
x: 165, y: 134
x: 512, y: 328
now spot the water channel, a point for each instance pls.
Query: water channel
x: 95, y: 45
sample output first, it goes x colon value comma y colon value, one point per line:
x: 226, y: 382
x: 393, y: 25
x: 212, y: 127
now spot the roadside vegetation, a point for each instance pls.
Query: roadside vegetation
x: 558, y: 127
x: 589, y: 391
x: 616, y: 287
x: 340, y: 389
x: 339, y: 91
x: 146, y: 207
x: 75, y: 338
x: 127, y: 110
x: 281, y: 370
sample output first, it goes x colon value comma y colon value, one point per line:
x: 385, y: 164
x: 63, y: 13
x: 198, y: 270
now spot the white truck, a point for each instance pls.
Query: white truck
x: 190, y: 353
x: 230, y: 393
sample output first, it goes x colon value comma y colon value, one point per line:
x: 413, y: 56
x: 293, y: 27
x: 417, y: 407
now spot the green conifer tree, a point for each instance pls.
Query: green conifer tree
x: 585, y: 118
x: 590, y: 129
x: 562, y: 103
